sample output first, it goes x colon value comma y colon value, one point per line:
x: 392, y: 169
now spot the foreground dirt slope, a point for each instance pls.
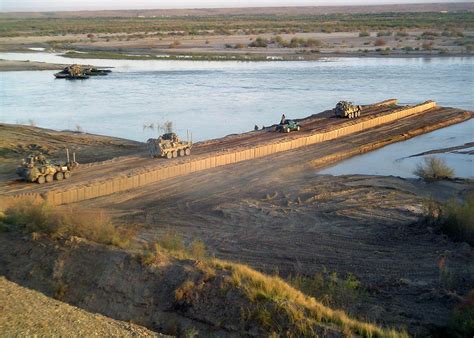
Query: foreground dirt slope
x: 177, y: 296
x: 26, y: 312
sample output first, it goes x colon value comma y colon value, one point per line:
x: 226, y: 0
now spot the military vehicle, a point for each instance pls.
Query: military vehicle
x: 36, y: 168
x: 347, y: 109
x: 93, y: 71
x: 287, y: 126
x: 78, y: 72
x: 169, y: 145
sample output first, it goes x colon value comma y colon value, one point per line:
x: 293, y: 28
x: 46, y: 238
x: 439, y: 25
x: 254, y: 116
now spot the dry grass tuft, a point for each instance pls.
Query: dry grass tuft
x: 39, y: 217
x: 277, y: 303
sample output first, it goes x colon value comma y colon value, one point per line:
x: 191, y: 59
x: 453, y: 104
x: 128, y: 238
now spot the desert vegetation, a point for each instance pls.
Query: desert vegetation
x: 37, y: 217
x: 454, y: 218
x: 238, y: 24
x: 433, y: 169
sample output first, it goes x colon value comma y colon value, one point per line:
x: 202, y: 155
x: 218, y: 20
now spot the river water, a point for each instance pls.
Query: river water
x: 213, y: 99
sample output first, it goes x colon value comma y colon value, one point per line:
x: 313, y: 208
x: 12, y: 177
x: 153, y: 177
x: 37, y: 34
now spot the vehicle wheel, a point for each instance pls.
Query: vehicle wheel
x: 287, y: 130
x: 67, y: 175
x: 59, y: 176
x: 181, y: 153
x: 187, y: 151
x: 169, y: 155
x: 49, y: 178
x: 175, y: 154
x: 40, y: 180
x: 298, y: 128
x: 350, y: 115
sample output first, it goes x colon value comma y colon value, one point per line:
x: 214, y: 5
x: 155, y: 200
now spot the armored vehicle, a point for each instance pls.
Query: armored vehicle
x: 347, y: 109
x: 93, y: 71
x: 169, y: 146
x: 36, y: 168
x: 74, y: 72
x: 287, y: 126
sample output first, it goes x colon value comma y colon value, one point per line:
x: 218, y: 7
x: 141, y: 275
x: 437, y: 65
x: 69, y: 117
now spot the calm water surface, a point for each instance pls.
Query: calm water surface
x: 213, y: 99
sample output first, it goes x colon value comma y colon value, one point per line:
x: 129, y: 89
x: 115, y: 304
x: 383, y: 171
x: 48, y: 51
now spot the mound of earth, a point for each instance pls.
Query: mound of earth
x: 169, y: 294
x: 26, y: 312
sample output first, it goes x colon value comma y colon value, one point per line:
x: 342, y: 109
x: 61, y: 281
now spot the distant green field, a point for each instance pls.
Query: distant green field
x: 257, y: 24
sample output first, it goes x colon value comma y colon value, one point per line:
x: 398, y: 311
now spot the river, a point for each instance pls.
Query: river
x: 213, y: 99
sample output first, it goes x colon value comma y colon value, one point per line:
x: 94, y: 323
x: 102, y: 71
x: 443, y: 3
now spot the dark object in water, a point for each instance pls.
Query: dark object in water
x: 80, y: 72
x: 68, y: 76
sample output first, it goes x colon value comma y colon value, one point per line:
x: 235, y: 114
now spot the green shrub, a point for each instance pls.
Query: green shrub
x: 433, y: 169
x: 364, y: 34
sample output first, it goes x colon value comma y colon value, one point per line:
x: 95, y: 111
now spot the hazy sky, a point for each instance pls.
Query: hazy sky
x: 64, y: 5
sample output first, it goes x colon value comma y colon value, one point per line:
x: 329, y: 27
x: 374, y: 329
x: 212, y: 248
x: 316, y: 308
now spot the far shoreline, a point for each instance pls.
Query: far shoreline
x: 7, y: 65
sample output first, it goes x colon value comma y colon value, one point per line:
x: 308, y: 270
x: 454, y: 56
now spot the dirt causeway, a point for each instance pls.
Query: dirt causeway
x: 105, y: 175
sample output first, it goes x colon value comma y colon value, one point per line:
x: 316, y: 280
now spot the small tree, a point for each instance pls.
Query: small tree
x: 433, y: 169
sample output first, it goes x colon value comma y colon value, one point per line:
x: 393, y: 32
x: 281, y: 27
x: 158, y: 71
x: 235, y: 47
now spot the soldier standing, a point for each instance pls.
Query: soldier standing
x: 283, y: 119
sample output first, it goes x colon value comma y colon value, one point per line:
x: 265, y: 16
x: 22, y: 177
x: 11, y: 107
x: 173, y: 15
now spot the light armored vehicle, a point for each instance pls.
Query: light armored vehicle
x: 36, y: 168
x: 78, y: 72
x: 287, y: 126
x: 347, y: 109
x: 169, y: 146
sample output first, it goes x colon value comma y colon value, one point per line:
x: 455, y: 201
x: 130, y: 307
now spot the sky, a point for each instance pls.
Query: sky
x: 69, y: 5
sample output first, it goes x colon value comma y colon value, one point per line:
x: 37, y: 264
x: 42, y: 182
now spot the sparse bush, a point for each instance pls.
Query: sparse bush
x: 239, y: 46
x: 40, y: 217
x: 172, y: 241
x: 429, y: 35
x: 207, y: 42
x: 427, y: 46
x: 175, y: 44
x: 228, y: 45
x: 386, y: 33
x: 462, y: 320
x: 91, y: 36
x: 166, y: 127
x: 433, y: 169
x: 380, y: 42
x: 197, y: 249
x: 401, y: 34
x: 364, y: 34
x: 455, y: 218
x: 259, y: 42
x: 330, y: 289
